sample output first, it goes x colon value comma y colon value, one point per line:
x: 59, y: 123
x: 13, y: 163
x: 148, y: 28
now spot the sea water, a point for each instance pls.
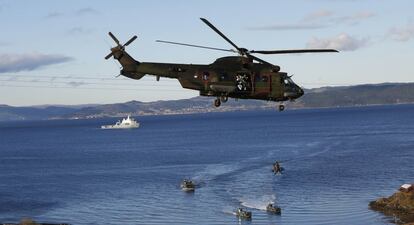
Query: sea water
x: 336, y: 161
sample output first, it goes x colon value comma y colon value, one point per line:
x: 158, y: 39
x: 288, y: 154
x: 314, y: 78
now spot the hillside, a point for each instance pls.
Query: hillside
x: 346, y: 96
x: 369, y: 94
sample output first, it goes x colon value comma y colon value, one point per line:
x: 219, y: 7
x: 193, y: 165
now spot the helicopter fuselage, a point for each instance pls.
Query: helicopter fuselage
x: 232, y: 76
x: 245, y: 76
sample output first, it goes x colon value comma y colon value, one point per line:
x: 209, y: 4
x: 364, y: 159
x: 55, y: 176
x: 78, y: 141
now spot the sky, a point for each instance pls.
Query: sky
x: 52, y: 51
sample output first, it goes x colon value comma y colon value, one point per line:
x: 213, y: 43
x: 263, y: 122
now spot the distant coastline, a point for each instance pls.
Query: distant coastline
x: 325, y: 97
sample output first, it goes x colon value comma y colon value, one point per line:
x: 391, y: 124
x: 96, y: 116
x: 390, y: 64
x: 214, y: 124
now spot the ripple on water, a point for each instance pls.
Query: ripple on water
x: 334, y: 159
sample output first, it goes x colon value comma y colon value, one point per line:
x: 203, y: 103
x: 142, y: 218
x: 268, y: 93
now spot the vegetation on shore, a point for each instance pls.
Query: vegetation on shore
x: 400, y: 205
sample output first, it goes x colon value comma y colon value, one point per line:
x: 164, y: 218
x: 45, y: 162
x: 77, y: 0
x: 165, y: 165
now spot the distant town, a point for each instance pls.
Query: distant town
x: 325, y: 97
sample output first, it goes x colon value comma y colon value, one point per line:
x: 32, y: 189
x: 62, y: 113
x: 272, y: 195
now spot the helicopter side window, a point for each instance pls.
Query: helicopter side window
x: 264, y: 78
x: 223, y: 76
x: 177, y: 69
x: 206, y: 75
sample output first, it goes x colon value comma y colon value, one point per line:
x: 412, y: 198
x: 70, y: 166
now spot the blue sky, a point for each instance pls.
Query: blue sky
x: 51, y: 52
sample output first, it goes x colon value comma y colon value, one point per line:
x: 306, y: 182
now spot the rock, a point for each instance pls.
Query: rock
x: 399, y: 205
x: 28, y: 221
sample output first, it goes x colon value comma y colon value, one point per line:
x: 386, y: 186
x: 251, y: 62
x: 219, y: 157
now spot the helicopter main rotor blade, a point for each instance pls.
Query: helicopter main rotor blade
x: 114, y: 38
x: 293, y: 51
x: 222, y: 35
x: 260, y: 60
x: 130, y: 40
x: 196, y: 46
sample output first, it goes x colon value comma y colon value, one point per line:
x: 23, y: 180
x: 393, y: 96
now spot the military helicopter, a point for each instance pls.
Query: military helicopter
x: 241, y: 77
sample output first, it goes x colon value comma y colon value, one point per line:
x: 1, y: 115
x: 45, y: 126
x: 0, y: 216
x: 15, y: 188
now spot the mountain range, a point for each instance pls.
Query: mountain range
x: 344, y: 96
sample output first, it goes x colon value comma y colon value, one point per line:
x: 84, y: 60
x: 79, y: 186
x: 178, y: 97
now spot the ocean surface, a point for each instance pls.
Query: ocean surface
x: 336, y: 161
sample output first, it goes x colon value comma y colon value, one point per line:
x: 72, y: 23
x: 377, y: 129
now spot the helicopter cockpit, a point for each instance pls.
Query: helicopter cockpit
x: 288, y: 81
x: 292, y: 90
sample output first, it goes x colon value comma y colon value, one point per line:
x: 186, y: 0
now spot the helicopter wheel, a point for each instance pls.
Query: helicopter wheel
x: 224, y: 98
x: 217, y: 102
x: 281, y: 108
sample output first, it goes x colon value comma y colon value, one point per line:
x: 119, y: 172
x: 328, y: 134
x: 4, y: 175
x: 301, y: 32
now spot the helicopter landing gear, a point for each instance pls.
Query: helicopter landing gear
x: 217, y: 102
x: 224, y: 98
x: 281, y: 108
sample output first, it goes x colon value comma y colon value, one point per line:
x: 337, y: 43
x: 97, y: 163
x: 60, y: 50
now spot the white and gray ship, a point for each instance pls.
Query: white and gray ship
x: 126, y: 123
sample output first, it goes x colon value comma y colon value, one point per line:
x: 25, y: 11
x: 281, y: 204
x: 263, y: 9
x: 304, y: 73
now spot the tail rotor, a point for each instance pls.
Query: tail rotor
x: 114, y: 38
x: 130, y: 40
x: 119, y: 47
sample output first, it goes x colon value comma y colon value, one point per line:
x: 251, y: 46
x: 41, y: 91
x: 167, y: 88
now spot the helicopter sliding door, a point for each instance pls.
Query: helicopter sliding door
x: 262, y: 85
x: 276, y: 89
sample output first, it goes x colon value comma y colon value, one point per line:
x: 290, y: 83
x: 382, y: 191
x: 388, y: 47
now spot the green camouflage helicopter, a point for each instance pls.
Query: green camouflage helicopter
x: 240, y: 77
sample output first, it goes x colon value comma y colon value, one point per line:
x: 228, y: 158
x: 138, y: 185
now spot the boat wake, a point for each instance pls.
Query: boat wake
x: 229, y: 213
x: 258, y: 203
x: 212, y: 172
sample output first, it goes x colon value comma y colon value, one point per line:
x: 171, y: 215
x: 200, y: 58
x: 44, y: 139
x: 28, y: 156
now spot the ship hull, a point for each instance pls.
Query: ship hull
x: 105, y: 127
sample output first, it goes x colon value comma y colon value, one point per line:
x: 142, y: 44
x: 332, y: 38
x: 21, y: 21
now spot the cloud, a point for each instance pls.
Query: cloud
x: 317, y: 15
x: 13, y: 78
x: 29, y: 62
x: 353, y: 19
x: 76, y: 83
x: 79, y: 30
x: 289, y: 27
x: 79, y: 12
x: 86, y: 11
x: 318, y: 20
x: 342, y: 42
x: 2, y: 4
x: 53, y: 15
x: 331, y: 18
x: 402, y: 34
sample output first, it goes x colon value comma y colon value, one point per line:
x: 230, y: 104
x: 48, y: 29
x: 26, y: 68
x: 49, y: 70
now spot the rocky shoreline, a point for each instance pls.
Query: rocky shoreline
x: 400, y: 205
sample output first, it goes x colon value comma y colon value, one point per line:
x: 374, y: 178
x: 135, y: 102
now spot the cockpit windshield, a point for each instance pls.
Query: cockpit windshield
x: 288, y: 81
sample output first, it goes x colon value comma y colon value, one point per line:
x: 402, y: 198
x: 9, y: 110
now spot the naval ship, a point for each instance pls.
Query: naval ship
x: 126, y: 123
